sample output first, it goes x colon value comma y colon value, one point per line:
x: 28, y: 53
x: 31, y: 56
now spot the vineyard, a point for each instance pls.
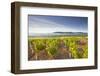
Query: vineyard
x: 57, y: 48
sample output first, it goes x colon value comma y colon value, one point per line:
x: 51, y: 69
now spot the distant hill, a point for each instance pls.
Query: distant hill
x: 58, y: 34
x: 72, y: 33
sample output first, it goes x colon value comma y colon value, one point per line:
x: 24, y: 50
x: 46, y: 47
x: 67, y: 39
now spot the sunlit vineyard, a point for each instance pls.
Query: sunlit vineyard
x: 72, y: 47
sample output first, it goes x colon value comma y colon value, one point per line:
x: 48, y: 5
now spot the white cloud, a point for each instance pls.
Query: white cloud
x: 37, y: 23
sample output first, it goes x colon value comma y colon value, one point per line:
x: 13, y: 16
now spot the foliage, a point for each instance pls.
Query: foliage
x: 39, y: 44
x: 51, y: 45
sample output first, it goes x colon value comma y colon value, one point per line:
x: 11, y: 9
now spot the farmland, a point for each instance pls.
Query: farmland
x: 64, y: 47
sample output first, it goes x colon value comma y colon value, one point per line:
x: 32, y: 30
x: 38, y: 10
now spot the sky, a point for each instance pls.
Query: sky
x: 50, y: 24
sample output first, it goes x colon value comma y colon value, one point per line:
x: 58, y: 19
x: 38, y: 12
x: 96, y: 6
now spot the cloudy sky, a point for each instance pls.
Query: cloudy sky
x: 49, y: 24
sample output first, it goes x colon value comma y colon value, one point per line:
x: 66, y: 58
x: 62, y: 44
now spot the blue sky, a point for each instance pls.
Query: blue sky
x: 49, y: 24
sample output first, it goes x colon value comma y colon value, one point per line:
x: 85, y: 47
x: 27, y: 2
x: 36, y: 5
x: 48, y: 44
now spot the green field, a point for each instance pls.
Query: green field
x: 66, y: 47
